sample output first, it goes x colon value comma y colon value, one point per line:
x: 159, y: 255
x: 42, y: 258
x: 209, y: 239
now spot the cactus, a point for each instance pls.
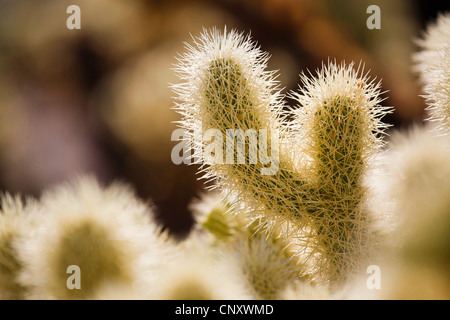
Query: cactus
x: 295, y: 216
x: 217, y: 217
x: 316, y: 187
x: 107, y: 233
x: 433, y: 66
x: 196, y: 273
x: 339, y: 128
x: 418, y: 167
x: 267, y: 262
x: 417, y: 173
x: 14, y: 223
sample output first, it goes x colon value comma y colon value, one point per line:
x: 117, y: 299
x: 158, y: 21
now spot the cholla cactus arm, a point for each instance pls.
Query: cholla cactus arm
x: 339, y: 123
x: 318, y: 190
x: 226, y: 87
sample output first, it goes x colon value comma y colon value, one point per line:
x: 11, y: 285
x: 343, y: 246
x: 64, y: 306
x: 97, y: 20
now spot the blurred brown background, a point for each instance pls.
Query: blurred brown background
x: 97, y: 101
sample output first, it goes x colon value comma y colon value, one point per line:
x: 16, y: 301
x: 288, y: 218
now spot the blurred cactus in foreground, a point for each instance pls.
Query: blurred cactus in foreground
x: 106, y: 233
x: 14, y: 224
x: 197, y: 273
x: 416, y: 180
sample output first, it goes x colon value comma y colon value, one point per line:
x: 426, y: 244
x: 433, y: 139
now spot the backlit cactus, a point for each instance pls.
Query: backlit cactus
x: 339, y: 130
x: 315, y: 187
x: 196, y: 273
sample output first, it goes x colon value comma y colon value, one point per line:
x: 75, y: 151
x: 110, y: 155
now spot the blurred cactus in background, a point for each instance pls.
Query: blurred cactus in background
x: 418, y: 165
x: 198, y: 273
x: 14, y: 223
